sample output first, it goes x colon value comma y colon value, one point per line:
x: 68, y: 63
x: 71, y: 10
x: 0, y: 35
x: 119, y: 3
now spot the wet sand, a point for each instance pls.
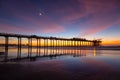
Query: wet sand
x: 57, y: 70
x: 88, y: 65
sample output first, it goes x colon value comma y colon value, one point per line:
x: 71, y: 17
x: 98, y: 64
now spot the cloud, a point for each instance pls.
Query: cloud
x: 90, y: 16
x: 28, y: 19
x: 96, y: 26
x: 25, y: 30
x: 104, y: 15
x: 11, y: 29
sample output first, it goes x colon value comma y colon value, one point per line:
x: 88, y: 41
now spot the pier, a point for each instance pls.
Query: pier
x: 46, y: 42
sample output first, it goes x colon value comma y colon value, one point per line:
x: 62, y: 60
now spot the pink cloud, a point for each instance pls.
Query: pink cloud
x: 96, y: 25
x: 103, y: 14
x: 30, y: 18
x: 11, y: 28
x: 17, y: 29
x: 101, y: 10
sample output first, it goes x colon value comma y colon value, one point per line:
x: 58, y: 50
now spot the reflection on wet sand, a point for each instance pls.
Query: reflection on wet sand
x: 33, y: 53
x: 61, y: 63
x: 94, y: 51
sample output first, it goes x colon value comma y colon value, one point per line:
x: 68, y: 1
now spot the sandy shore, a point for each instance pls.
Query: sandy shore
x: 54, y: 70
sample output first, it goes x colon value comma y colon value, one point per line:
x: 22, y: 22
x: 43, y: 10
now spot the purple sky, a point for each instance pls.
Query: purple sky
x: 93, y: 19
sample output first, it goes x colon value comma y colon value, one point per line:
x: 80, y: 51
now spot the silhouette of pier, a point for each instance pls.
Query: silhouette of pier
x: 53, y: 42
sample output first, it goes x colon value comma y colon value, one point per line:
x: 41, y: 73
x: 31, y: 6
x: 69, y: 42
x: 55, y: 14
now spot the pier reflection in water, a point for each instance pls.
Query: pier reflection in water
x: 46, y: 43
x: 14, y: 53
x: 67, y: 63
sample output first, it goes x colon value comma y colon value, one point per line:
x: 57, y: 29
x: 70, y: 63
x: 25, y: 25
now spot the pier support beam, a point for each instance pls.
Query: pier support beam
x: 19, y: 47
x: 31, y: 47
x: 37, y: 46
x: 28, y: 47
x: 6, y: 48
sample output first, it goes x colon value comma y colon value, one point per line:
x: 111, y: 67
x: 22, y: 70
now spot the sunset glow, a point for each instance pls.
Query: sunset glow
x: 63, y: 18
x: 59, y: 39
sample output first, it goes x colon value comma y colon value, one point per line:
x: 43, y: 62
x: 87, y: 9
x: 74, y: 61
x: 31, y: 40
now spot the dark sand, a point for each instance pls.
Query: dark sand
x: 56, y: 70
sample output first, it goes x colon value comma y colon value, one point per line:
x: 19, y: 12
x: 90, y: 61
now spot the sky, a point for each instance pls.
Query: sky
x: 90, y: 19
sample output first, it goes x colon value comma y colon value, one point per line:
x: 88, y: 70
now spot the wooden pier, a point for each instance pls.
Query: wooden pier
x: 47, y: 41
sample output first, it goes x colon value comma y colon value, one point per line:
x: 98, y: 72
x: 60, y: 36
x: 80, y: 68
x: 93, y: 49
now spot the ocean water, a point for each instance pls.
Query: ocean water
x: 63, y: 64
